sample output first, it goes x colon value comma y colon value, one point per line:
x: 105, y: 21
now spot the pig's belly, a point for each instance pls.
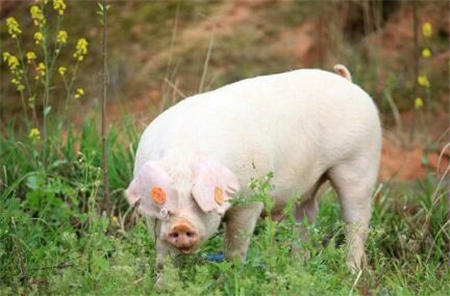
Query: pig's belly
x: 294, y: 187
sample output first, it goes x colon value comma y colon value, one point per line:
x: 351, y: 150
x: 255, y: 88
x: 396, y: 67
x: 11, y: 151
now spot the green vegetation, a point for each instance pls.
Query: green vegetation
x: 57, y: 238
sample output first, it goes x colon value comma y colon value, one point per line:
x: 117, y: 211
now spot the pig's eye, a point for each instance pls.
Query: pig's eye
x: 190, y: 234
x: 174, y: 235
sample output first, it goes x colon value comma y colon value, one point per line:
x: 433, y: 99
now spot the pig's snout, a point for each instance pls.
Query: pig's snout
x: 183, y: 236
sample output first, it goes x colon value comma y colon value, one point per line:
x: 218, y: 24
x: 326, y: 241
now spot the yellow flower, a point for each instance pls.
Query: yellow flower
x: 40, y: 70
x: 115, y: 221
x: 37, y: 15
x: 17, y: 82
x: 5, y: 56
x: 418, y: 103
x: 12, y: 60
x: 20, y: 87
x: 423, y: 81
x: 80, y: 49
x: 427, y: 30
x: 60, y: 6
x: 30, y: 56
x: 13, y: 27
x: 38, y: 37
x: 79, y: 93
x: 62, y: 70
x: 34, y: 134
x: 426, y: 53
x: 31, y: 101
x: 61, y: 37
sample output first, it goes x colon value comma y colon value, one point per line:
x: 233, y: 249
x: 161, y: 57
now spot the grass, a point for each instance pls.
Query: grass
x: 55, y: 240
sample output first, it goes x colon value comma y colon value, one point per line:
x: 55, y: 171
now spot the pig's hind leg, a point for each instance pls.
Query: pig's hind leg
x: 307, y: 208
x: 353, y: 182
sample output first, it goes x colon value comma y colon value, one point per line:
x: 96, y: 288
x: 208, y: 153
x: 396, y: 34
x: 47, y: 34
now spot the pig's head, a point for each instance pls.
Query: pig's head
x: 188, y: 205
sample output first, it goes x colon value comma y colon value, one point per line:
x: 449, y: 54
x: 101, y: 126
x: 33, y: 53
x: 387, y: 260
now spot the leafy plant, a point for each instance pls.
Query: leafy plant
x: 35, y: 78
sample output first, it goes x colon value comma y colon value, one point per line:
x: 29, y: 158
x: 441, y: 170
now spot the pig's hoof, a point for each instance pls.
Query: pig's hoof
x: 356, y: 266
x: 353, y: 266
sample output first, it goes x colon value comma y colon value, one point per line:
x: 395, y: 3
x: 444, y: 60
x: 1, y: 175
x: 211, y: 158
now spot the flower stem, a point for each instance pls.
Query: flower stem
x: 22, y: 63
x: 46, y: 95
x: 70, y: 86
x: 24, y: 106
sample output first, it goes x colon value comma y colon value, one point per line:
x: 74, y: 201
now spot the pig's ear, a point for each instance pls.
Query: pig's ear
x: 152, y: 188
x: 214, y: 186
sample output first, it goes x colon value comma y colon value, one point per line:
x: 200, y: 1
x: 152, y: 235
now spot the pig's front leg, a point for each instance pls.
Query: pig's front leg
x: 240, y: 222
x: 163, y: 254
x: 162, y: 249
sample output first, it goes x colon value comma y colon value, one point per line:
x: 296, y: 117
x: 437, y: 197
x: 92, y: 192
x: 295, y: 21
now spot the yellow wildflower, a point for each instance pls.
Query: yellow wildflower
x: 80, y: 49
x: 79, y: 93
x: 423, y: 81
x: 427, y: 30
x: 40, y: 70
x: 30, y: 56
x: 18, y: 83
x: 60, y: 6
x: 34, y: 134
x: 5, y: 56
x: 62, y: 70
x: 426, y: 53
x: 38, y: 37
x: 418, y: 103
x: 31, y: 101
x: 13, y: 27
x: 61, y: 37
x: 12, y: 60
x: 37, y: 15
x: 115, y: 221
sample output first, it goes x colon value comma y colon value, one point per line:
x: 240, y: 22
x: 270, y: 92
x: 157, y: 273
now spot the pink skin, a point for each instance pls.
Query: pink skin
x: 191, y: 213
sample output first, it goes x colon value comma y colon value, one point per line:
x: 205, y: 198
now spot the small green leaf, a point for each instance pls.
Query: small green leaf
x: 47, y: 110
x: 32, y: 182
x: 100, y: 6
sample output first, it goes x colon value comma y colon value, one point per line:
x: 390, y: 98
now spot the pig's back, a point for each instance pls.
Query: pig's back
x: 295, y: 124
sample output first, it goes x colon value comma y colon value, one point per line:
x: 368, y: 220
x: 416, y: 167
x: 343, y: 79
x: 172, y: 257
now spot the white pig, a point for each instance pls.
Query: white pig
x: 306, y: 126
